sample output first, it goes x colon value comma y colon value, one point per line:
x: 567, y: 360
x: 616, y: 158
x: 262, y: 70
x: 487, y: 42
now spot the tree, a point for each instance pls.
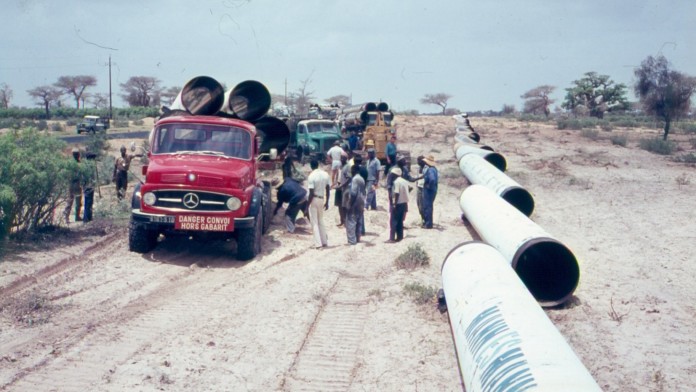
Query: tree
x: 75, y: 85
x: 99, y: 100
x: 5, y: 96
x: 537, y: 100
x: 168, y: 95
x: 302, y: 98
x: 597, y: 93
x: 45, y: 96
x: 340, y: 100
x: 439, y: 99
x: 140, y: 90
x: 663, y: 92
x: 507, y: 109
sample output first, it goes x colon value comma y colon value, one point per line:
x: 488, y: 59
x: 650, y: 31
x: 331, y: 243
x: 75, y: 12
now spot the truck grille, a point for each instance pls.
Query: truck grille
x: 191, y: 200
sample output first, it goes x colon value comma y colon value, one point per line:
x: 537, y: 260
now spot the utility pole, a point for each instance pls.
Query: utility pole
x: 110, y: 104
x: 286, y: 92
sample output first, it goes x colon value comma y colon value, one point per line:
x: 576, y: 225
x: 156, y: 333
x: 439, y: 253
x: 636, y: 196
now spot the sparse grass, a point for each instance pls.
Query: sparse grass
x: 138, y: 122
x: 683, y: 180
x: 619, y: 140
x: 415, y: 256
x: 106, y: 208
x: 583, y: 183
x: 421, y: 294
x: 606, y: 126
x: 657, y: 146
x: 33, y: 309
x: 57, y: 127
x: 689, y: 158
x: 591, y: 134
x: 120, y: 123
x: 377, y: 293
x: 450, y: 172
x: 616, y: 316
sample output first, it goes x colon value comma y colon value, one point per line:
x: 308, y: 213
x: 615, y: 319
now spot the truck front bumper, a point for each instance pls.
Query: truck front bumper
x: 164, y: 222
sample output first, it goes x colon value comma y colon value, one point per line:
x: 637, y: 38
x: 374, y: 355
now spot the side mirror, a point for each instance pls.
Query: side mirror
x: 273, y: 154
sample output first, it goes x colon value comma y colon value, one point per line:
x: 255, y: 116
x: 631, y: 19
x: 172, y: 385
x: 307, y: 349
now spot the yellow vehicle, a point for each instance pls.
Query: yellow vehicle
x: 373, y: 123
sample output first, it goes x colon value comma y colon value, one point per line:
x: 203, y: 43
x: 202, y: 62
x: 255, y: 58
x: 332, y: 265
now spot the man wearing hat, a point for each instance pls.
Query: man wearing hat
x: 373, y: 169
x: 399, y: 206
x: 430, y: 179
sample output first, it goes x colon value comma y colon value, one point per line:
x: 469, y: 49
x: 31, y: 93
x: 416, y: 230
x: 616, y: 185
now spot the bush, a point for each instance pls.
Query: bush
x: 590, y: 134
x: 120, y: 123
x: 138, y: 122
x: 420, y: 293
x: 689, y: 158
x: 42, y: 125
x: 658, y: 146
x: 56, y: 127
x: 606, y: 126
x: 415, y: 256
x: 38, y: 176
x: 619, y: 140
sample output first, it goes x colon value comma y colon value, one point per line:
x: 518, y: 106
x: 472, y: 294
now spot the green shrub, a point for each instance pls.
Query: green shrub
x: 56, y: 127
x: 419, y: 293
x: 414, y: 256
x: 606, y: 126
x: 71, y: 122
x: 42, y: 125
x: 591, y: 134
x: 689, y: 158
x: 619, y: 140
x: 658, y: 146
x: 138, y: 122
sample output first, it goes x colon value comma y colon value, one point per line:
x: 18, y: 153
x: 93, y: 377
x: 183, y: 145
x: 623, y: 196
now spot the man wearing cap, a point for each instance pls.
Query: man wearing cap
x: 319, y: 192
x: 373, y: 169
x: 399, y: 206
x: 430, y: 179
x: 334, y: 154
x: 291, y: 192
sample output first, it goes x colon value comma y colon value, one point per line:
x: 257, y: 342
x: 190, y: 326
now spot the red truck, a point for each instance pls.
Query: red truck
x: 201, y: 181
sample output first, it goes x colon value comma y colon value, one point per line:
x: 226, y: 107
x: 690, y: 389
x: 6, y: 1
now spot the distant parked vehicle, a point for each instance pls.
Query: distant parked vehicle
x: 93, y: 124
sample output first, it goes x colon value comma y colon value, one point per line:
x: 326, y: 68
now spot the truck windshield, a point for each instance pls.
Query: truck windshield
x: 202, y: 139
x: 322, y: 127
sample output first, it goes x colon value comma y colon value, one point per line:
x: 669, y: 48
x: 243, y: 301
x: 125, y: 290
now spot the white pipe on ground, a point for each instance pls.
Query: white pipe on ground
x: 494, y: 158
x: 504, y: 341
x: 478, y: 171
x: 546, y: 266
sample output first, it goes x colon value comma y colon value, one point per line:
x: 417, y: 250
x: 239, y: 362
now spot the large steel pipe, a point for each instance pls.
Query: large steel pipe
x: 382, y: 107
x: 478, y: 171
x: 273, y: 132
x: 249, y: 100
x: 503, y: 340
x: 546, y: 266
x: 363, y: 107
x: 470, y: 138
x: 491, y: 157
x: 201, y: 95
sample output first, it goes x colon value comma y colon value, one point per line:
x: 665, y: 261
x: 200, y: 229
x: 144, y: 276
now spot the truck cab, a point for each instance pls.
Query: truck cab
x: 201, y: 181
x: 93, y: 124
x: 314, y: 137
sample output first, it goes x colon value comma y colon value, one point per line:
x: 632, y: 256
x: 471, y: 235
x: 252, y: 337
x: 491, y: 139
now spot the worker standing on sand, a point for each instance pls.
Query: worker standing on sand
x: 319, y: 193
x: 120, y: 176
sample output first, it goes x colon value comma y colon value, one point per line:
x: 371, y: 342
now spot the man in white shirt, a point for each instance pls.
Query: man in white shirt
x: 399, y: 206
x: 334, y: 154
x: 319, y: 190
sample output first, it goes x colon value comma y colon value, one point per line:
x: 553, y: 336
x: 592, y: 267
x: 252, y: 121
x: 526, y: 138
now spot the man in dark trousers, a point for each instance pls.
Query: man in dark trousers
x: 88, y: 183
x: 356, y: 206
x: 390, y: 152
x: 399, y: 206
x: 74, y: 191
x: 120, y: 176
x: 291, y: 192
x: 430, y: 179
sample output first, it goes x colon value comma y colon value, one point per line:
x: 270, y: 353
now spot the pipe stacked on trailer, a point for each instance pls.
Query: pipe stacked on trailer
x: 248, y: 101
x: 503, y: 340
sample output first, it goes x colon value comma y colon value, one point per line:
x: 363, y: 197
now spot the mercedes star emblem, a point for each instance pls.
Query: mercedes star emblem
x: 191, y: 200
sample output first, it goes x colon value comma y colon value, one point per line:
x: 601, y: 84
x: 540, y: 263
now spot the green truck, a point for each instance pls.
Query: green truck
x: 312, y: 138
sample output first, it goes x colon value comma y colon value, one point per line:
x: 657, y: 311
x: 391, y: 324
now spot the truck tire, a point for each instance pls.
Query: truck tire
x: 140, y: 239
x: 267, y: 206
x: 249, y: 240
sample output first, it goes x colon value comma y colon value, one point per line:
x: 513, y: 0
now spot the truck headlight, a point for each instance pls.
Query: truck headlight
x: 149, y: 198
x: 233, y: 203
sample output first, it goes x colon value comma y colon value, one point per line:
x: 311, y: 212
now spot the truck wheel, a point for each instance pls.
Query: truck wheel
x: 249, y: 240
x: 140, y: 239
x: 267, y: 207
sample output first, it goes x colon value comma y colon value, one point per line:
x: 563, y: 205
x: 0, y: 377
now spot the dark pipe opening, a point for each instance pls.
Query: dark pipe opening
x: 548, y: 269
x: 484, y: 147
x: 382, y: 107
x: 202, y: 95
x: 274, y: 133
x: 370, y: 106
x: 496, y: 160
x: 475, y: 137
x: 520, y: 199
x: 250, y: 100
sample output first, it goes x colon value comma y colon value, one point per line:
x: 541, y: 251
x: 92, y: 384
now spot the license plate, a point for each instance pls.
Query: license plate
x: 204, y: 223
x: 162, y: 219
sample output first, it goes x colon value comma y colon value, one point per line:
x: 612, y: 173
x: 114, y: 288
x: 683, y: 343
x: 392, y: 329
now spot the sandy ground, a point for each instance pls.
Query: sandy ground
x: 79, y: 312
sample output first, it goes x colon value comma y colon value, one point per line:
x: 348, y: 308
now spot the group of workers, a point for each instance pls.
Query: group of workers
x: 84, y: 179
x: 355, y: 183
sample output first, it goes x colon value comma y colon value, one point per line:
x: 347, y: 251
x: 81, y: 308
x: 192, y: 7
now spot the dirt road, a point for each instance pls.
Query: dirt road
x: 79, y: 312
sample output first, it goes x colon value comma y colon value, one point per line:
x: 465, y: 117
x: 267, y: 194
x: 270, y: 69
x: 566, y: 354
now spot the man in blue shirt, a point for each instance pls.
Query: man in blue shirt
x: 295, y: 195
x: 373, y: 168
x: 390, y: 152
x: 430, y: 179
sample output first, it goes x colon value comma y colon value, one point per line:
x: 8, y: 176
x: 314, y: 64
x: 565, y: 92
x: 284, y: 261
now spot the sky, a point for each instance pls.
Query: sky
x: 485, y: 54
